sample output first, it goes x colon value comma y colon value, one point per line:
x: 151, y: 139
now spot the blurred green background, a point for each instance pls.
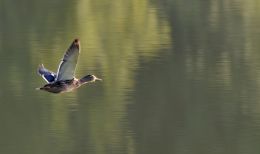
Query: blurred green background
x: 179, y: 77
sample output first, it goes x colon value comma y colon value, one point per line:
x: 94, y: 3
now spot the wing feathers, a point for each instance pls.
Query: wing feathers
x: 66, y: 70
x: 47, y: 75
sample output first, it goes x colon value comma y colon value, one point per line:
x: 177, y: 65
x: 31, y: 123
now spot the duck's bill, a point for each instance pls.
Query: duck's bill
x: 98, y: 79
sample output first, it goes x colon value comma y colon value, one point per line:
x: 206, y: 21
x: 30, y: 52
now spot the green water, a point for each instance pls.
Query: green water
x: 179, y: 77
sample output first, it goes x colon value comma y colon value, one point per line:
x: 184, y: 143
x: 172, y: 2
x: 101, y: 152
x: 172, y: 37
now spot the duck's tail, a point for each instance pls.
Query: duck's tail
x: 40, y: 88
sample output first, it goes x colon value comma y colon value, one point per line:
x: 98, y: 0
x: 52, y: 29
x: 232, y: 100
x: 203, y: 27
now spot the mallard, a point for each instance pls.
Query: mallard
x: 64, y: 80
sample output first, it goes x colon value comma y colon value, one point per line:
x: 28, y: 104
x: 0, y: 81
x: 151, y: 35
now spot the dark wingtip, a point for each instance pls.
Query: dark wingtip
x: 76, y: 42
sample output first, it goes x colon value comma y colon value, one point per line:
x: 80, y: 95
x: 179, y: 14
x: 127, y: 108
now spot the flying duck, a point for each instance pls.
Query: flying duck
x: 64, y: 80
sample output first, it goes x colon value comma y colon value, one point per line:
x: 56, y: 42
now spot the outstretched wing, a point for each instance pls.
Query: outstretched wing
x: 66, y: 70
x: 47, y: 75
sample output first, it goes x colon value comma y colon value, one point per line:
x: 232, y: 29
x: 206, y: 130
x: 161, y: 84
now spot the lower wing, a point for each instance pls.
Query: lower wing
x: 47, y: 75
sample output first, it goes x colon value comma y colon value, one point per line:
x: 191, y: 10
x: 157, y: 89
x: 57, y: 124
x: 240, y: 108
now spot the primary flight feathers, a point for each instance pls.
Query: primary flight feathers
x: 66, y: 69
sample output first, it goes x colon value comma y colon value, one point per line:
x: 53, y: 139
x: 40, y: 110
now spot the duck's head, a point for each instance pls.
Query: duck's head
x: 89, y: 78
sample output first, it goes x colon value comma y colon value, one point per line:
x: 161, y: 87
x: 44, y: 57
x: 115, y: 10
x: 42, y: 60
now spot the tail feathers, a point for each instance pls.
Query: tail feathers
x: 38, y: 88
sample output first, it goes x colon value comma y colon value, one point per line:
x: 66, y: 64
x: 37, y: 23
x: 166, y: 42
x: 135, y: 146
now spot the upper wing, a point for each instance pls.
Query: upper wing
x: 66, y: 70
x: 47, y: 75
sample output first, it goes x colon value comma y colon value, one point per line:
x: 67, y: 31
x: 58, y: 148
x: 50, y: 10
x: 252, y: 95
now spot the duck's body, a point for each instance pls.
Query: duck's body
x: 61, y: 86
x: 64, y: 80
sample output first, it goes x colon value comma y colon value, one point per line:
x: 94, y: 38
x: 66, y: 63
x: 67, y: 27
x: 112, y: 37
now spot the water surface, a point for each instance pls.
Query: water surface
x: 179, y: 77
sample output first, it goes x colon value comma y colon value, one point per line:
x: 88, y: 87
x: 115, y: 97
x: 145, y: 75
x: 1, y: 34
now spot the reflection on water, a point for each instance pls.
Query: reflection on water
x: 196, y: 95
x: 93, y: 119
